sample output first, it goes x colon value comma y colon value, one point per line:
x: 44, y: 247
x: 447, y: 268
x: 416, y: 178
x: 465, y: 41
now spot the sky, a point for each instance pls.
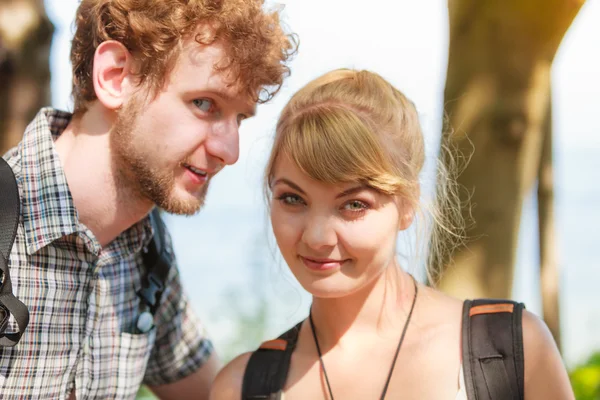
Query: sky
x: 403, y: 40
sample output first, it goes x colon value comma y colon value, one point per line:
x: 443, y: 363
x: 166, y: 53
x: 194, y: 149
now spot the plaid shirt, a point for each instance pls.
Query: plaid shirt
x: 82, y: 297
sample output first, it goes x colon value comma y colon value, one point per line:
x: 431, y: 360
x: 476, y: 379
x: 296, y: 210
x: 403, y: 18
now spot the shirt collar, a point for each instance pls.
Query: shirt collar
x: 47, y: 206
x: 48, y: 209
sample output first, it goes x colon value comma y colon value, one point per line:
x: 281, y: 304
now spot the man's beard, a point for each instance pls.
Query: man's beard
x: 138, y: 175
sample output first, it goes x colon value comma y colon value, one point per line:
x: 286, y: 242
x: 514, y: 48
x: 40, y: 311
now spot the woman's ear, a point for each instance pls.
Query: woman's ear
x: 112, y: 74
x: 407, y: 209
x: 407, y: 215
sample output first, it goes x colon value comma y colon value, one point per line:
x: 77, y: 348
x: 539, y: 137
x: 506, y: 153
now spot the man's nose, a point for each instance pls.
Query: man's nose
x: 224, y: 142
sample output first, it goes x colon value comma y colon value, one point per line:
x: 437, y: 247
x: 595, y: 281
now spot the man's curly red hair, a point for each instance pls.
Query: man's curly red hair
x: 257, y: 48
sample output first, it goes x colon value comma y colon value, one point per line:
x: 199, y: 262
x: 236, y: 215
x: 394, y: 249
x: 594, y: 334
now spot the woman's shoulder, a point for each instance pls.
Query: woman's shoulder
x: 440, y: 308
x: 228, y: 383
x: 545, y: 374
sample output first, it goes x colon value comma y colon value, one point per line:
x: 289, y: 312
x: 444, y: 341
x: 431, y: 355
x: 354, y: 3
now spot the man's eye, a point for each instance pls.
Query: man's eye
x: 204, y: 104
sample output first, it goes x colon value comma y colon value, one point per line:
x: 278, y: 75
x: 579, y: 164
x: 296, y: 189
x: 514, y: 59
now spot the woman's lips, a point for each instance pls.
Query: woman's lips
x: 321, y: 264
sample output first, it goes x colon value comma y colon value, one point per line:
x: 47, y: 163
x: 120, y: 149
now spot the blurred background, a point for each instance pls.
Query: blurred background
x: 519, y: 79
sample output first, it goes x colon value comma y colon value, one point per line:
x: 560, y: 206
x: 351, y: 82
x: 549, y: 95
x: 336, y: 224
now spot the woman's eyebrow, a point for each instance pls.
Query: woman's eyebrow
x: 352, y: 190
x: 290, y: 184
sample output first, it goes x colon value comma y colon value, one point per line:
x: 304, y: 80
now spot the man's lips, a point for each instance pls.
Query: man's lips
x: 195, y: 174
x: 196, y: 170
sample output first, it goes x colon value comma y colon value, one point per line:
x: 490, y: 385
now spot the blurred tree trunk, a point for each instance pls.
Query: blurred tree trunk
x: 25, y: 38
x: 497, y: 99
x: 549, y: 274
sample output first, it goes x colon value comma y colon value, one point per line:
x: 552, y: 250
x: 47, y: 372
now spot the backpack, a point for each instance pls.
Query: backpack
x: 155, y: 261
x: 492, y: 354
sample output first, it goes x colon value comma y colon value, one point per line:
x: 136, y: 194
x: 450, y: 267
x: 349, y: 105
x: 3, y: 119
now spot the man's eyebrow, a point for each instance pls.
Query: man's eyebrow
x: 290, y: 184
x: 249, y: 112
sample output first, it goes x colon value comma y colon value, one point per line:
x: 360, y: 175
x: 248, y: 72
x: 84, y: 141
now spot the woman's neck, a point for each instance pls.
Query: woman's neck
x: 378, y: 309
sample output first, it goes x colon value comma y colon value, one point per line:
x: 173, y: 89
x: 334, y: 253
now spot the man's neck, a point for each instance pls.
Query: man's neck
x: 104, y: 206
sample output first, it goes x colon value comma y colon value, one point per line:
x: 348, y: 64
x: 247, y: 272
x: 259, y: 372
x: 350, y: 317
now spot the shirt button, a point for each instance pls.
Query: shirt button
x: 145, y: 322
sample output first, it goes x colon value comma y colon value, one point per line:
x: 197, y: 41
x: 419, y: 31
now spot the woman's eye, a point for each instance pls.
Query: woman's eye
x: 355, y: 205
x: 204, y: 104
x: 290, y: 199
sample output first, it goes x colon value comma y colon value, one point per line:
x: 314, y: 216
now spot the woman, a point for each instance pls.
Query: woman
x: 343, y: 182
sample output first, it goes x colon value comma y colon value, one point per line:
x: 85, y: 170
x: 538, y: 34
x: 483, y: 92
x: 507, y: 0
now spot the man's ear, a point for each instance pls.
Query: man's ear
x: 112, y: 74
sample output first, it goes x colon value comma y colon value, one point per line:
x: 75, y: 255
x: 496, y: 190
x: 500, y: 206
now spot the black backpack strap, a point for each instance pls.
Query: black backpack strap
x: 157, y: 268
x: 492, y: 349
x: 267, y: 368
x: 10, y: 208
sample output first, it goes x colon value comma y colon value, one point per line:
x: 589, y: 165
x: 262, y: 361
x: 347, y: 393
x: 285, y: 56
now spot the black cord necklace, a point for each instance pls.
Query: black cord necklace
x: 387, y: 382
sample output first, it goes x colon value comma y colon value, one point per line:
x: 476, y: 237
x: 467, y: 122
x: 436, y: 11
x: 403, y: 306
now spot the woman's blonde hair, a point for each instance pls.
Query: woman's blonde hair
x: 354, y: 126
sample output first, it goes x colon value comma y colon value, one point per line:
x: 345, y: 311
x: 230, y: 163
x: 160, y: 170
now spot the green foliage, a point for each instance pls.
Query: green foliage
x: 250, y: 324
x: 145, y: 394
x: 246, y: 307
x: 585, y: 379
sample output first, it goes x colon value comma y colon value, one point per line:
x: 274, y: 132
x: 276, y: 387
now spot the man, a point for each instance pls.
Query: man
x: 160, y: 88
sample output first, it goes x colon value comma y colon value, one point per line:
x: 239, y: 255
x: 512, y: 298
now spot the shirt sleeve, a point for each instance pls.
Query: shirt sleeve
x: 181, y: 345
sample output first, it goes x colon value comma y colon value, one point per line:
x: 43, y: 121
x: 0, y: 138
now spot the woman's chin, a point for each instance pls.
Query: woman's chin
x: 328, y: 288
x: 336, y: 285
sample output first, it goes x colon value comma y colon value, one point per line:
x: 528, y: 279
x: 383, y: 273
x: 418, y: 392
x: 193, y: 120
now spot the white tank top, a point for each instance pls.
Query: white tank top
x: 462, y: 392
